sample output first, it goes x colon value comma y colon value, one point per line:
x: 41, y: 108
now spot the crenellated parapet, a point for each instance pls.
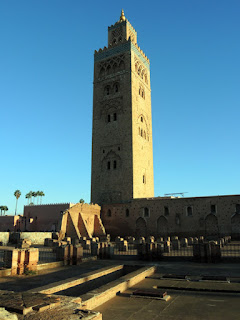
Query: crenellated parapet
x: 50, y: 204
x: 111, y: 50
x: 142, y: 53
x: 116, y: 24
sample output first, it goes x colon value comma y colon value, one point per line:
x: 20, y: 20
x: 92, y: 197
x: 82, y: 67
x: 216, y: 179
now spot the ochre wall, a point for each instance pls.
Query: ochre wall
x: 81, y: 221
x: 121, y: 155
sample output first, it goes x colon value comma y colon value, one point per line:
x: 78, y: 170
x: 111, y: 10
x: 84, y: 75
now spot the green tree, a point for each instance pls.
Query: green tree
x: 5, y: 208
x: 38, y: 196
x: 42, y: 194
x: 1, y: 208
x: 81, y: 201
x: 34, y: 194
x: 28, y: 196
x: 17, y: 194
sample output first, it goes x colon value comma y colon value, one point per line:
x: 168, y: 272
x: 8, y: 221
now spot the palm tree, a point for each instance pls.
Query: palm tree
x: 17, y: 194
x: 1, y: 208
x: 41, y: 193
x: 5, y: 208
x: 81, y: 201
x: 37, y: 195
x: 28, y: 196
x: 34, y: 194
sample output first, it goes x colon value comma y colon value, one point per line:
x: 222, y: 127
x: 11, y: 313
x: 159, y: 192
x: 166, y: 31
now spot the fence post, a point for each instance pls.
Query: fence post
x: 31, y: 259
x: 175, y: 244
x: 95, y: 248
x: 110, y: 251
x: 215, y: 251
x: 77, y: 254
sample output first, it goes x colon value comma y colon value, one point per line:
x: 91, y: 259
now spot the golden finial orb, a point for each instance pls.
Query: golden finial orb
x: 122, y: 17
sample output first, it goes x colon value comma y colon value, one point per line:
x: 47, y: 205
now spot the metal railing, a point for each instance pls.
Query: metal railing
x: 47, y: 255
x: 231, y: 251
x: 1, y: 258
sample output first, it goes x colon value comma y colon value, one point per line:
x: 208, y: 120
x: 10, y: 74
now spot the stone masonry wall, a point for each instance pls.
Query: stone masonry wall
x: 8, y: 223
x: 217, y: 215
x: 4, y: 238
x: 43, y: 217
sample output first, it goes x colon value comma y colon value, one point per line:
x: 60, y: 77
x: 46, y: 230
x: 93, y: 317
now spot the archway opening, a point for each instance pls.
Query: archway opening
x: 162, y: 226
x: 141, y: 227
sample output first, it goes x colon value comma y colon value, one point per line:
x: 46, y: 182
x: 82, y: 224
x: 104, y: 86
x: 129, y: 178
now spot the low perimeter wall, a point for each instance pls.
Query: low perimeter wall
x: 4, y: 238
x: 35, y: 237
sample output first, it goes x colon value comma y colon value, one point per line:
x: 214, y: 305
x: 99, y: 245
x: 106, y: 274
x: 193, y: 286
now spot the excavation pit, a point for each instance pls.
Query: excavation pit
x: 90, y: 285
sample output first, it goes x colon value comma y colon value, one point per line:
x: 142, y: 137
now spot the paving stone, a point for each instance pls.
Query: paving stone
x: 23, y: 303
x: 5, y: 315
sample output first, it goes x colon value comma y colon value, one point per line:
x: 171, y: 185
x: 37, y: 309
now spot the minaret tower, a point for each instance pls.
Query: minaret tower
x: 122, y: 156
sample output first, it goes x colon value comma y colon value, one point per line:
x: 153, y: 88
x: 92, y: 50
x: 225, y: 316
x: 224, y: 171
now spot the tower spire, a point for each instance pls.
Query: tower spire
x: 122, y: 16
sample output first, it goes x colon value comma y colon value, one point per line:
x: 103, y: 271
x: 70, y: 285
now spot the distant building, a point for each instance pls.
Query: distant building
x: 9, y: 223
x: 73, y: 220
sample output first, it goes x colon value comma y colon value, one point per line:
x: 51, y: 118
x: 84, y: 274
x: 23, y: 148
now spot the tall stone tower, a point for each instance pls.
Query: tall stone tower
x: 122, y: 156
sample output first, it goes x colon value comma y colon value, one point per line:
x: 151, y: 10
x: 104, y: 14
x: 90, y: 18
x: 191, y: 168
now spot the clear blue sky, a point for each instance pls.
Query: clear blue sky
x: 46, y: 75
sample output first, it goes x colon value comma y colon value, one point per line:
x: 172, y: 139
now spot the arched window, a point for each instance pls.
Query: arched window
x: 114, y: 67
x: 127, y: 212
x: 213, y: 208
x: 109, y: 213
x: 109, y: 118
x: 121, y: 65
x: 114, y: 41
x: 108, y: 165
x: 189, y: 211
x: 139, y: 91
x: 114, y: 164
x: 141, y: 133
x: 139, y: 71
x: 107, y: 90
x: 102, y: 72
x: 120, y: 39
x: 166, y: 211
x: 146, y: 212
x: 114, y: 117
x: 141, y: 119
x: 116, y: 87
x: 108, y: 69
